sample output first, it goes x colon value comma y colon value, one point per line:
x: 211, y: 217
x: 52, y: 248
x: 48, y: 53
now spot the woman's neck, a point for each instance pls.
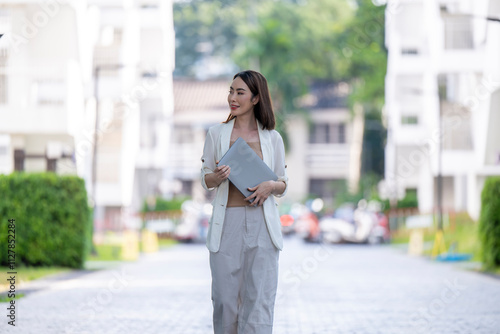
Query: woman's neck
x: 246, y: 122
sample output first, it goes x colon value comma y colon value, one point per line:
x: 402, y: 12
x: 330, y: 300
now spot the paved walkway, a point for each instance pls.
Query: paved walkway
x: 323, y: 289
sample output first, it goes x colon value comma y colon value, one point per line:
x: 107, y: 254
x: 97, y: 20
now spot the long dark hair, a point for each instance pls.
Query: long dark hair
x: 263, y: 110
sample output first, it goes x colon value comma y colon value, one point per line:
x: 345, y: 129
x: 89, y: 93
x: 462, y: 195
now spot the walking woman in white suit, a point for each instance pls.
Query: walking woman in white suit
x: 244, y: 240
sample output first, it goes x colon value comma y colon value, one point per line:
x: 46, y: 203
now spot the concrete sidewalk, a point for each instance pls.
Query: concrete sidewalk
x: 323, y: 289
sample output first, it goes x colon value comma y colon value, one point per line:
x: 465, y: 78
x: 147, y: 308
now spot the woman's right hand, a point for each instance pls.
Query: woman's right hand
x: 222, y: 172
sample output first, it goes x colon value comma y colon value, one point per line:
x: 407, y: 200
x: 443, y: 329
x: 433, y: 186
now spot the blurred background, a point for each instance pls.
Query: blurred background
x: 389, y: 110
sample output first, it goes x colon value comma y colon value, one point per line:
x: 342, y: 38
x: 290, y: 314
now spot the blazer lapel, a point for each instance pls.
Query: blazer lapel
x: 226, y: 137
x: 265, y: 142
x: 264, y: 137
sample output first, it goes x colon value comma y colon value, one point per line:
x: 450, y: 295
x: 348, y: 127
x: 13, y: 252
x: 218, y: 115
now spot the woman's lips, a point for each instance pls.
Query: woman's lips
x: 234, y: 107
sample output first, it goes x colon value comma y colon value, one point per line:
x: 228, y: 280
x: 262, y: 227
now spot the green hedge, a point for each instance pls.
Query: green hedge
x: 162, y: 204
x: 489, y: 223
x: 52, y: 219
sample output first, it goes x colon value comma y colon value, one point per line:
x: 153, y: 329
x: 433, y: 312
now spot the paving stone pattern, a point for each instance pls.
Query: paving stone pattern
x: 323, y: 289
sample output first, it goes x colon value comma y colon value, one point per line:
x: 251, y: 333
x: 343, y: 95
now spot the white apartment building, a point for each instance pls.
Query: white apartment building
x: 324, y: 147
x: 443, y: 73
x: 117, y: 53
x: 42, y: 84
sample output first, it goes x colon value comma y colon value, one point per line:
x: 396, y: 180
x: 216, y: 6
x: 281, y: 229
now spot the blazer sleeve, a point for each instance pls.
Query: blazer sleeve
x: 279, y: 162
x: 208, y: 159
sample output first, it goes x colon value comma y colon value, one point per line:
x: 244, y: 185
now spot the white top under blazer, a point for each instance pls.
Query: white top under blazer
x: 273, y: 154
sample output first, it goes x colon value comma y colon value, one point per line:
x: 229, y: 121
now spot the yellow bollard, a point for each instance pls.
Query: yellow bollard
x: 439, y: 246
x: 416, y: 243
x: 130, y: 246
x: 149, y: 241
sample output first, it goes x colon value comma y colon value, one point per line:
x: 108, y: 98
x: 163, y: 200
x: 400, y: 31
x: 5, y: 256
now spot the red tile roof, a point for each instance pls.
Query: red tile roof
x: 200, y: 95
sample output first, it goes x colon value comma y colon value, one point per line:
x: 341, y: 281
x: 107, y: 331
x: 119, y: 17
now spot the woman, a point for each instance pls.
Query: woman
x: 244, y: 241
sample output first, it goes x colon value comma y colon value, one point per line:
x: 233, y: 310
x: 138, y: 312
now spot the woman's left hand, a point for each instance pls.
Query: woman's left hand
x: 261, y: 192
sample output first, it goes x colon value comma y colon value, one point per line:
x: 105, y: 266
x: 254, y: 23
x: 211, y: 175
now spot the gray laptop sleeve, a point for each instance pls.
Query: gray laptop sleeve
x: 247, y: 168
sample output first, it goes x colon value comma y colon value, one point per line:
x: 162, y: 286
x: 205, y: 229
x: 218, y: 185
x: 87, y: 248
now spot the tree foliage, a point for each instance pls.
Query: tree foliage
x: 489, y: 223
x: 294, y: 43
x: 205, y: 29
x: 362, y: 42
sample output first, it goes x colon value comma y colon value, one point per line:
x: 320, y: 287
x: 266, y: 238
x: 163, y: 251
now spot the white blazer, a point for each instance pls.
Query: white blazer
x: 273, y: 154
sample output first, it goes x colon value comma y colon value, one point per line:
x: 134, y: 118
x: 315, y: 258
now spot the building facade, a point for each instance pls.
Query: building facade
x: 86, y: 89
x: 442, y: 89
x: 42, y: 85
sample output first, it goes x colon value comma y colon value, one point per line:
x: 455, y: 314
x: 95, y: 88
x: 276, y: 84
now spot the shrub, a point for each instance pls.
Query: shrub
x: 52, y: 219
x: 162, y: 204
x: 489, y: 223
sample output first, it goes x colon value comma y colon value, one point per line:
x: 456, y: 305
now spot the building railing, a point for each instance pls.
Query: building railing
x: 458, y: 33
x: 34, y: 87
x: 184, y: 158
x: 332, y: 156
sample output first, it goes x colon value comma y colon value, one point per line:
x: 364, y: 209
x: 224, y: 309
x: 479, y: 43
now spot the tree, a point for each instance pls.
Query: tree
x: 205, y: 29
x: 293, y: 44
x: 363, y: 44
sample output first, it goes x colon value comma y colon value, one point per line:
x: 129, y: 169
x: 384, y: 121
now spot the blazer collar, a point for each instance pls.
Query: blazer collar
x: 263, y: 137
x: 226, y: 136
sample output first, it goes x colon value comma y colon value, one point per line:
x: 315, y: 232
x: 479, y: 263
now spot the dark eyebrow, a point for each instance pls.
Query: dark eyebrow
x: 231, y: 87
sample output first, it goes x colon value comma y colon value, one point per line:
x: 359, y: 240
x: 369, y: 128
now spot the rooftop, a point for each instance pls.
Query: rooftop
x: 191, y: 95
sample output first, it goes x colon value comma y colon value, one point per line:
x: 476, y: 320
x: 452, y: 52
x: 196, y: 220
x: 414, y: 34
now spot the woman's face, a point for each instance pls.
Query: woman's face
x: 240, y: 98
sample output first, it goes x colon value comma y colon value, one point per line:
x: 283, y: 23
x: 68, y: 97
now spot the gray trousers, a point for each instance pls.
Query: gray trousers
x: 244, y: 274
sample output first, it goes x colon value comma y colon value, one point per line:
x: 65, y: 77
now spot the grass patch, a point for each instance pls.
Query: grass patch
x: 461, y: 231
x: 402, y: 236
x: 113, y: 252
x: 26, y: 274
x: 6, y: 299
x: 166, y: 242
x: 106, y: 252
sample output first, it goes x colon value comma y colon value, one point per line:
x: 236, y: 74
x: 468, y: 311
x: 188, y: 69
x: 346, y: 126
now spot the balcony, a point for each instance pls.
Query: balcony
x: 184, y: 159
x: 408, y: 53
x: 458, y: 32
x: 328, y: 160
x: 40, y: 100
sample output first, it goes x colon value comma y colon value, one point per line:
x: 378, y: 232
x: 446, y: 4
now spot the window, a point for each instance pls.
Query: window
x: 409, y: 119
x: 150, y: 74
x: 50, y: 92
x: 409, y: 51
x: 108, y: 51
x: 327, y: 133
x: 325, y: 188
x: 150, y: 122
x: 341, y: 133
x: 458, y: 32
